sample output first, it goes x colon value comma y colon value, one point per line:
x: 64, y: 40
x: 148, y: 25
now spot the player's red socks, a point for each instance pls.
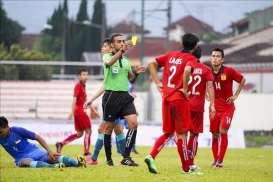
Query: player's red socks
x: 183, y: 153
x: 223, y: 146
x: 215, y: 148
x: 192, y: 148
x: 70, y: 138
x: 86, y: 142
x: 159, y: 144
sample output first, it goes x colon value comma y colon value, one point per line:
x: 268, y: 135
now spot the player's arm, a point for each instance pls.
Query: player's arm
x: 186, y: 78
x: 238, y: 91
x: 134, y: 72
x: 43, y: 143
x: 153, y: 67
x: 211, y: 96
x: 99, y: 92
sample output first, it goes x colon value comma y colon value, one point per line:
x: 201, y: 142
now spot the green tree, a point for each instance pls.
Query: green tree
x: 10, y: 30
x: 98, y: 18
x: 23, y: 72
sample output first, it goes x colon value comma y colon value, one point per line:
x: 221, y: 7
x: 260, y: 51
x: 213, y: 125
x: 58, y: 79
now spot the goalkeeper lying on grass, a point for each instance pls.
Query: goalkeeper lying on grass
x: 15, y: 142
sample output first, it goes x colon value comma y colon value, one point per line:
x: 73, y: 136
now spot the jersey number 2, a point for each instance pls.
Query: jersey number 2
x: 198, y: 79
x: 173, y: 71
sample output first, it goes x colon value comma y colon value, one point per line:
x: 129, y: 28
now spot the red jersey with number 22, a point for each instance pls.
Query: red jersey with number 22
x: 197, y: 86
x: 174, y: 63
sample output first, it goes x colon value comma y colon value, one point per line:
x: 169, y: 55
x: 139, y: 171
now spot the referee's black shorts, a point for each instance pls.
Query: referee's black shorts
x: 116, y: 104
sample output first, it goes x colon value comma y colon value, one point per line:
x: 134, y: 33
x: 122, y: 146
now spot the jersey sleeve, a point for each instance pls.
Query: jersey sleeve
x: 76, y: 91
x: 191, y: 61
x: 161, y: 60
x: 209, y: 75
x: 106, y: 58
x: 235, y: 75
x: 24, y: 133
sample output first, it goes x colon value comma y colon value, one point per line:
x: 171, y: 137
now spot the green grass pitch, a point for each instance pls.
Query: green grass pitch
x: 240, y: 165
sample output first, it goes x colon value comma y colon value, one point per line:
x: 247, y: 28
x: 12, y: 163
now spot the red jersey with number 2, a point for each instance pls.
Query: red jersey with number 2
x: 197, y: 86
x: 223, y: 84
x: 174, y: 63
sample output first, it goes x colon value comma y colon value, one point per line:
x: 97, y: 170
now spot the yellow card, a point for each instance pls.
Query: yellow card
x: 134, y: 40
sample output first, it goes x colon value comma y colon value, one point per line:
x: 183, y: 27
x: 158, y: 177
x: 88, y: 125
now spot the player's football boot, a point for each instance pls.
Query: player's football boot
x: 190, y: 172
x: 214, y: 164
x: 88, y: 159
x: 59, y: 165
x: 194, y: 167
x: 151, y: 164
x: 94, y: 162
x: 110, y: 163
x: 81, y: 161
x: 59, y: 147
x: 219, y: 164
x: 127, y: 161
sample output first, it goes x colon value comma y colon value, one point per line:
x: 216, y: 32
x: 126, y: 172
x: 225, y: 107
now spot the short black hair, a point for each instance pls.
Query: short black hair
x: 219, y: 50
x: 107, y: 41
x: 82, y: 70
x: 197, y: 52
x: 113, y: 36
x: 3, y: 122
x: 189, y: 41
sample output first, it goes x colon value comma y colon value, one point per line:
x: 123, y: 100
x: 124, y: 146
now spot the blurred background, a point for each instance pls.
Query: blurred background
x: 44, y: 42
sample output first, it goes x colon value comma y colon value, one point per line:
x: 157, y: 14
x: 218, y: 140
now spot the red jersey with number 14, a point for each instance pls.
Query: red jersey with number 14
x: 174, y: 63
x: 223, y: 84
x: 197, y: 86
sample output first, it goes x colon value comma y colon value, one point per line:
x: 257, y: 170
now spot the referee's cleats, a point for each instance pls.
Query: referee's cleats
x: 110, y: 163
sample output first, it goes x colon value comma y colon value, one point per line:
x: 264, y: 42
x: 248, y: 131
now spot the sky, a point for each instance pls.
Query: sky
x: 33, y: 14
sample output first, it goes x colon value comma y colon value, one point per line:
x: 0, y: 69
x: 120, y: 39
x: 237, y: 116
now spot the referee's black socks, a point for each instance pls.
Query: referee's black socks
x: 130, y: 140
x: 107, y: 147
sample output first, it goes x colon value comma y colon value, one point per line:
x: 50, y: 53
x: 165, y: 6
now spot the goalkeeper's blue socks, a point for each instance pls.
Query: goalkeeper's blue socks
x: 121, y: 141
x: 98, y: 146
x: 68, y: 162
x: 41, y: 164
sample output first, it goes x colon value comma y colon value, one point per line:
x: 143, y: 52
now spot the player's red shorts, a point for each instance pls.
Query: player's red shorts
x: 197, y: 119
x: 81, y: 121
x: 221, y: 120
x: 176, y: 116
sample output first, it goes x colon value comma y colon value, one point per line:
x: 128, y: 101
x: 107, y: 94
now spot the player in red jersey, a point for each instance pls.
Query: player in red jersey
x: 224, y: 104
x: 81, y: 120
x: 175, y: 105
x: 201, y: 81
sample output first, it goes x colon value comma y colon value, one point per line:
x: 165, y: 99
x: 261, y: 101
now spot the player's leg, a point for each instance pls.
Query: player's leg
x: 128, y: 111
x: 34, y: 164
x: 99, y: 143
x: 224, y: 127
x: 120, y: 137
x: 72, y: 137
x: 168, y: 129
x: 109, y: 125
x: 192, y: 147
x: 70, y: 162
x: 197, y: 127
x: 181, y: 143
x: 214, y: 129
x: 180, y: 114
